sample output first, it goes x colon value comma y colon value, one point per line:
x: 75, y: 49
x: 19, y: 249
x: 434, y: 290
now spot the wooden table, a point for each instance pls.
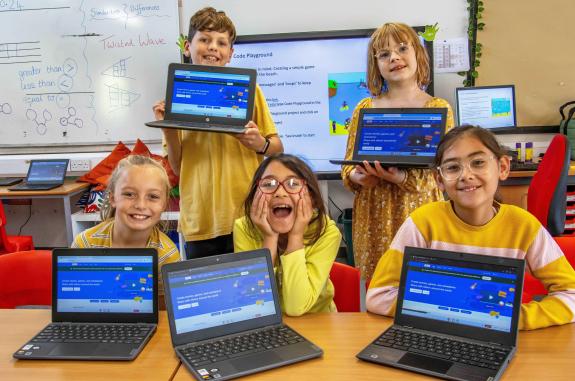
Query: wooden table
x: 546, y: 354
x: 64, y: 192
x: 156, y: 362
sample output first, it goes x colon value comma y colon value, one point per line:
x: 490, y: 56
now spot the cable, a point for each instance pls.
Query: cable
x: 28, y: 219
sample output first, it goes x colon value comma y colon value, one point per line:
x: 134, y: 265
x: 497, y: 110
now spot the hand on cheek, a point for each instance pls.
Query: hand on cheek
x: 304, y: 212
x: 259, y: 214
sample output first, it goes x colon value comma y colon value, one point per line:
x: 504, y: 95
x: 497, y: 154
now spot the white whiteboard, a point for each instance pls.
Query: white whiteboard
x: 83, y: 72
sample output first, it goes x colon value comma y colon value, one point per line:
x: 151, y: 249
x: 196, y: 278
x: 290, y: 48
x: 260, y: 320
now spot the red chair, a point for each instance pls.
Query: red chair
x: 26, y: 279
x: 547, y: 193
x: 346, y: 282
x: 12, y: 243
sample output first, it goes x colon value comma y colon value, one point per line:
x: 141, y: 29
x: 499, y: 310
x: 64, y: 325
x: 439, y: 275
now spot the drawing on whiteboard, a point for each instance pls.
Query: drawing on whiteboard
x: 119, y: 98
x: 71, y: 119
x: 63, y: 100
x: 5, y: 108
x: 126, y: 12
x: 41, y: 127
x: 118, y: 69
x: 20, y: 52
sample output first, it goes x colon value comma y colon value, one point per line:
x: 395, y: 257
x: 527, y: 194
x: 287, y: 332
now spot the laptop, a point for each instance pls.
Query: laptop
x: 43, y: 175
x: 225, y: 317
x: 398, y: 137
x: 104, y: 305
x: 486, y: 106
x: 7, y: 181
x: 457, y: 316
x: 208, y: 98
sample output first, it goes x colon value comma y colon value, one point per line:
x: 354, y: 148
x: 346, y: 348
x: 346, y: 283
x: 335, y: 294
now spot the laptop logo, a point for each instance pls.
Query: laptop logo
x: 207, y: 119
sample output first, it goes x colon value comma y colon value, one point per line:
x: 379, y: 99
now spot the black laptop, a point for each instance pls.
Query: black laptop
x: 208, y: 98
x: 43, y: 175
x: 225, y: 317
x: 104, y: 305
x: 7, y: 181
x: 398, y: 137
x: 457, y: 316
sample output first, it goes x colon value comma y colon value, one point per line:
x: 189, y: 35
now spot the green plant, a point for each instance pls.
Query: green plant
x: 475, y: 8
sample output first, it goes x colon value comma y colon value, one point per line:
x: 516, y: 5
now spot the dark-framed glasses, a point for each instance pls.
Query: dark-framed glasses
x: 291, y: 184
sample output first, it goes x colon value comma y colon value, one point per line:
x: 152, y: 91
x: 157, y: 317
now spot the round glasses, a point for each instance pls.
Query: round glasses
x: 291, y: 185
x: 385, y: 54
x: 453, y: 170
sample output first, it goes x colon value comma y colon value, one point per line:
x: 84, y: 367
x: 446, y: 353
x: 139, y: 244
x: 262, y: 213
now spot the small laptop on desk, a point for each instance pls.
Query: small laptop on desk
x: 225, y: 317
x: 208, y: 98
x: 398, y: 137
x: 43, y: 175
x: 457, y: 316
x: 104, y: 305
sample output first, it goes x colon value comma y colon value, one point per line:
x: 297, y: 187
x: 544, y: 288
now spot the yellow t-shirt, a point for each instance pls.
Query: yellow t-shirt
x: 215, y: 176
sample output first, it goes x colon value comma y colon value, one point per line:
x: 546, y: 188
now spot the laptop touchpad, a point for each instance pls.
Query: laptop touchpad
x: 255, y: 361
x: 76, y: 349
x: 423, y: 362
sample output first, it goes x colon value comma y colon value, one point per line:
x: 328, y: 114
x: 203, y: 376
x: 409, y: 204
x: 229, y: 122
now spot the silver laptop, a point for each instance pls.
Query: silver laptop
x: 208, y: 98
x: 225, y: 317
x: 457, y: 316
x: 43, y: 175
x: 104, y: 305
x: 398, y: 137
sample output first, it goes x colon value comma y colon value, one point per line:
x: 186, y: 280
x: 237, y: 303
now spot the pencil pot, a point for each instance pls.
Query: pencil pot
x: 567, y: 124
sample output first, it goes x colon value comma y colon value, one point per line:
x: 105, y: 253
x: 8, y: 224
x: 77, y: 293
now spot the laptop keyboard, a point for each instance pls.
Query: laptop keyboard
x: 443, y: 348
x: 240, y: 345
x: 93, y: 333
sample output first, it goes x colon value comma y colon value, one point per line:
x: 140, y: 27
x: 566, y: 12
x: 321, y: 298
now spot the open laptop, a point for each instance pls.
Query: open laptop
x: 43, y: 175
x: 208, y: 98
x: 486, y: 106
x: 104, y: 305
x: 398, y: 137
x: 225, y: 317
x: 457, y: 316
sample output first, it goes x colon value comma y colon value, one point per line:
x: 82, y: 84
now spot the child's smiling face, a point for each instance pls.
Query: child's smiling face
x: 210, y: 48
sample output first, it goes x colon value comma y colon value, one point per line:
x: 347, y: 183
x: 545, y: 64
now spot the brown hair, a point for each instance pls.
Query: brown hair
x: 380, y: 39
x: 486, y: 137
x: 302, y: 170
x: 208, y: 19
x: 107, y: 211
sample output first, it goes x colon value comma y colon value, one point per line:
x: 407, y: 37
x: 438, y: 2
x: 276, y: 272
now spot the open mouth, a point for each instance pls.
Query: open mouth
x: 470, y: 188
x: 397, y: 68
x: 282, y: 211
x: 211, y: 58
x: 139, y: 217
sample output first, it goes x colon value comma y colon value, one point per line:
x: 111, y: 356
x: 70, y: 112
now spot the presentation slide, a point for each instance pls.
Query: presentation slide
x: 473, y: 297
x: 486, y: 107
x: 210, y: 94
x: 221, y: 296
x: 312, y: 88
x: 105, y: 284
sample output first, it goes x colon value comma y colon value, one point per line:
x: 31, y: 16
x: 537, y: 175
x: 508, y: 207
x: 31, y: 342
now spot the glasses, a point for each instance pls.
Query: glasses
x: 291, y: 185
x: 453, y: 170
x: 385, y: 54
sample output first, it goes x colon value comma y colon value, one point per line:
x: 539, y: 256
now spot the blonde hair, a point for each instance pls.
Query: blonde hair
x: 107, y: 211
x: 380, y: 39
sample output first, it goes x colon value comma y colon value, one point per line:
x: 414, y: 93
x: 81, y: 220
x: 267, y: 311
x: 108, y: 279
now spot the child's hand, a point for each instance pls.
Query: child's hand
x: 361, y: 177
x: 303, y: 214
x: 159, y: 110
x: 390, y: 174
x: 259, y: 214
x: 251, y: 139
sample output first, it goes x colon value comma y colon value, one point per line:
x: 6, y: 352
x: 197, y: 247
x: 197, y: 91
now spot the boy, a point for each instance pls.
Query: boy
x: 215, y: 169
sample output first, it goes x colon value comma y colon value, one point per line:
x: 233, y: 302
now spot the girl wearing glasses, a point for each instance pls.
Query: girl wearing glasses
x: 397, y: 74
x: 470, y: 164
x: 285, y: 213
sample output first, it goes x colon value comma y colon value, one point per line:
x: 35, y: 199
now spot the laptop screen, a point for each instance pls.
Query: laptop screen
x: 462, y: 292
x: 400, y: 134
x: 198, y: 93
x: 487, y: 107
x: 50, y: 171
x: 220, y: 294
x: 105, y: 284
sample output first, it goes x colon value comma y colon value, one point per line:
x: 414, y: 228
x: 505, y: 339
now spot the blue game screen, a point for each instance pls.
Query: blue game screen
x: 210, y: 94
x: 460, y: 293
x: 391, y: 134
x: 111, y: 284
x: 220, y: 294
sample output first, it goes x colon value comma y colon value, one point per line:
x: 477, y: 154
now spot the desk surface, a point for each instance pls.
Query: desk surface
x: 156, y: 362
x: 543, y: 355
x: 531, y: 173
x: 69, y: 187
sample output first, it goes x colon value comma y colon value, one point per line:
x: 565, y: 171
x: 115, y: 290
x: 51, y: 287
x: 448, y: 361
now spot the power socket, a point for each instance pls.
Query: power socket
x: 80, y: 165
